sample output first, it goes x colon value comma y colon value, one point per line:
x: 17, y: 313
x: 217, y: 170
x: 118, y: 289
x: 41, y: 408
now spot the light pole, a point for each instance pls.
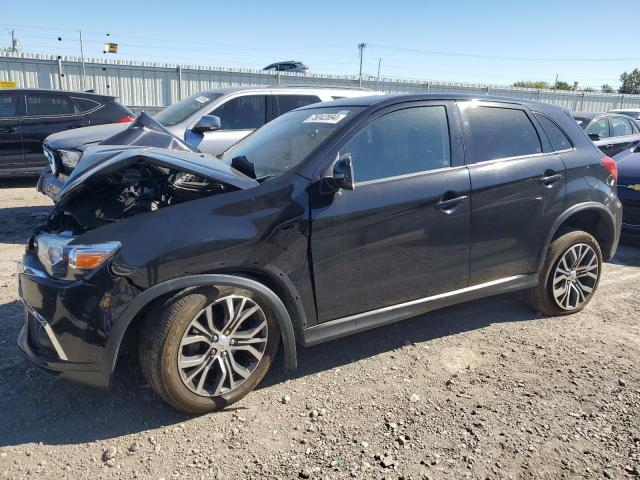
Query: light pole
x: 361, y: 48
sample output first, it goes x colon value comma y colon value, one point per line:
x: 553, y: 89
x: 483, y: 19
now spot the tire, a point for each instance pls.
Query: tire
x: 542, y: 298
x: 173, y: 338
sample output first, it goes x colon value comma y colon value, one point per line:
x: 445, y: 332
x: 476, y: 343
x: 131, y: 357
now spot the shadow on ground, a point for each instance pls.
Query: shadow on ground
x: 53, y: 411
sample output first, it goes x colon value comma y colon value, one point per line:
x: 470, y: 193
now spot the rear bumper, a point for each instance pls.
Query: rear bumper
x: 630, y: 210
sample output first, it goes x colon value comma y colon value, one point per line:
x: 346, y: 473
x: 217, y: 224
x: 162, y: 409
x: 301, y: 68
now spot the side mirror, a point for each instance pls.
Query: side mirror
x: 342, y: 176
x: 594, y: 137
x: 207, y: 123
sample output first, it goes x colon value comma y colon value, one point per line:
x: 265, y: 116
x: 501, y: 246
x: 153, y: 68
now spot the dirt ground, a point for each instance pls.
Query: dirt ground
x: 484, y: 390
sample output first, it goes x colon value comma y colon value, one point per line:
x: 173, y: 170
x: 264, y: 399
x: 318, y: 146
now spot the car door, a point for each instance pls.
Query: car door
x: 623, y: 135
x: 11, y: 107
x: 46, y: 113
x: 239, y: 116
x: 517, y: 189
x: 403, y: 232
x: 599, y: 130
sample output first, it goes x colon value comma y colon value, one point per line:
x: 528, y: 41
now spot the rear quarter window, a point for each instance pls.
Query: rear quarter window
x: 557, y: 138
x: 86, y: 104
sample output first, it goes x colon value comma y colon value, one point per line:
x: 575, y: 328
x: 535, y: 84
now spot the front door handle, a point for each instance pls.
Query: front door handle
x: 448, y: 204
x: 8, y: 130
x: 549, y: 178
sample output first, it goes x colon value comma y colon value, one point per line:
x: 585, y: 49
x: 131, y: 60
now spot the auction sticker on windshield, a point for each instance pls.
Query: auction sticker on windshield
x: 327, y: 117
x: 202, y: 99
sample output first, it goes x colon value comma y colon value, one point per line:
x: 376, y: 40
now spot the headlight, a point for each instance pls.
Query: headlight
x: 70, y: 262
x: 69, y: 158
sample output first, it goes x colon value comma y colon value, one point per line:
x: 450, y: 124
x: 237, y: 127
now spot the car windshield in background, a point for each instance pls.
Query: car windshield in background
x: 177, y: 112
x: 631, y: 114
x: 286, y: 141
x: 583, y: 122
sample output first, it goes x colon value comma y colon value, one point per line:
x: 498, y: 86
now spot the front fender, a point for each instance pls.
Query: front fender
x: 144, y: 298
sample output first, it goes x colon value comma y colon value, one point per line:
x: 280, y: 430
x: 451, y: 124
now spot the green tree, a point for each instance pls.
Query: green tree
x: 537, y: 84
x: 630, y: 82
x: 606, y: 88
x: 588, y: 89
x: 560, y: 85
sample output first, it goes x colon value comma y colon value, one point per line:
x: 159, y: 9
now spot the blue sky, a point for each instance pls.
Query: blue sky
x: 495, y: 42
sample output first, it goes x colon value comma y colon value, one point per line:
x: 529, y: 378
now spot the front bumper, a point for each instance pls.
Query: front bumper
x: 50, y: 184
x: 67, y: 324
x: 630, y: 199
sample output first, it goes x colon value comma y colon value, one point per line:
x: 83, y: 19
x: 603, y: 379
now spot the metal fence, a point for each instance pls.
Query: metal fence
x: 145, y: 85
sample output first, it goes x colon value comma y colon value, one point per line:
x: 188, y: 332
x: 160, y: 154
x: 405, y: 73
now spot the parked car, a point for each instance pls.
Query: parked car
x: 288, y: 66
x: 240, y: 109
x: 629, y: 190
x: 332, y: 219
x: 28, y: 116
x: 635, y: 114
x: 611, y: 133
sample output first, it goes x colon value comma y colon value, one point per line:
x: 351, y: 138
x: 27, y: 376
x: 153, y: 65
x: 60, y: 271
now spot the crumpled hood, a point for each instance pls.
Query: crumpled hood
x: 79, y: 137
x: 100, y: 161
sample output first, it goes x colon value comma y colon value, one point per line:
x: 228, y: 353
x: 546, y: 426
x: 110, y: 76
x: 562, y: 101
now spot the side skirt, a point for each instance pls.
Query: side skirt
x: 360, y: 322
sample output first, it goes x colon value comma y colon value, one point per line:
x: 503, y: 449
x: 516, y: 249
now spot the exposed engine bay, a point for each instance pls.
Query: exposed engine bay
x: 138, y: 188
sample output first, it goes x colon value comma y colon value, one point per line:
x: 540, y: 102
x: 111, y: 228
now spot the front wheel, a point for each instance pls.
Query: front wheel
x: 206, y: 348
x: 570, y: 275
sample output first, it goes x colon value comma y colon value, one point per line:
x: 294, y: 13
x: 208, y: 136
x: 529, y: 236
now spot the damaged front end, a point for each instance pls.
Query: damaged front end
x: 122, y: 182
x: 72, y: 293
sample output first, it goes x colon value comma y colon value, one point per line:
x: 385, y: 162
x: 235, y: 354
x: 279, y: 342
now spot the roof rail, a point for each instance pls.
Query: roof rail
x: 327, y: 87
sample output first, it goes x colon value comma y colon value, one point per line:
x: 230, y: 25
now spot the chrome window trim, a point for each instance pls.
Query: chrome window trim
x: 408, y: 175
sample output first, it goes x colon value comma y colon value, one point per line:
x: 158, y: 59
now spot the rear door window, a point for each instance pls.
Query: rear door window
x: 501, y: 132
x: 48, y: 105
x: 620, y: 127
x: 599, y: 127
x: 242, y: 113
x: 557, y: 138
x: 8, y: 105
x: 287, y: 103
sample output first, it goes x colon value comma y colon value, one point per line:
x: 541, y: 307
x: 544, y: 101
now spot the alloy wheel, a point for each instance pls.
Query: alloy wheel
x: 575, y: 276
x: 222, y: 345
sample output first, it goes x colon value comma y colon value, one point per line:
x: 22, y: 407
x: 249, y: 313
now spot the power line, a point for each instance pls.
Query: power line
x: 496, y: 57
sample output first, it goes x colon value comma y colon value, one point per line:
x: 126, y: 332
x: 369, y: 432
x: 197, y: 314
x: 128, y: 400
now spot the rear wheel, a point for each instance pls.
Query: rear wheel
x: 206, y: 348
x: 570, y: 275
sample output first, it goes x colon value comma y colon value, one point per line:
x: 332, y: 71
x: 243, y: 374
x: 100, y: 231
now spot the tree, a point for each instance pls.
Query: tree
x: 588, y: 89
x: 606, y: 88
x: 560, y: 85
x: 538, y: 84
x: 630, y: 82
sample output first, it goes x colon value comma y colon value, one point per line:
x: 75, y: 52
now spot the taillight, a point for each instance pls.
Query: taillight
x: 126, y: 119
x: 611, y: 166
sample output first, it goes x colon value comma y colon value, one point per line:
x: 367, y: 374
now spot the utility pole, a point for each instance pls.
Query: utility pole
x: 378, y: 77
x: 84, y: 84
x: 14, y: 43
x: 555, y: 85
x: 361, y: 48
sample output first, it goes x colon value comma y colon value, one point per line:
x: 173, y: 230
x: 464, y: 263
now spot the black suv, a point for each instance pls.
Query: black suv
x: 332, y: 219
x: 28, y: 116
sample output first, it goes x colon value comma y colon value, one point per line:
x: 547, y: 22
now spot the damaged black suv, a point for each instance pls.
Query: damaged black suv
x: 330, y: 220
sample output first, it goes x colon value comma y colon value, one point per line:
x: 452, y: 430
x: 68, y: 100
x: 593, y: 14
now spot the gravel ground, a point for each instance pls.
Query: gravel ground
x: 482, y: 390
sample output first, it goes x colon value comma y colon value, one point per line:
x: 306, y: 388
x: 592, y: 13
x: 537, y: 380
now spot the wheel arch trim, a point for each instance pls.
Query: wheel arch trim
x: 144, y: 298
x: 569, y: 212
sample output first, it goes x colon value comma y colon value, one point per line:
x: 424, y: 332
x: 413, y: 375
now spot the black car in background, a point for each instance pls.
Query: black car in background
x: 610, y: 132
x: 329, y: 220
x: 28, y: 116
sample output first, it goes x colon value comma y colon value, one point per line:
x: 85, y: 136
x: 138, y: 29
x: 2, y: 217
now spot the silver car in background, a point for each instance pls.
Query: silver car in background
x: 240, y: 110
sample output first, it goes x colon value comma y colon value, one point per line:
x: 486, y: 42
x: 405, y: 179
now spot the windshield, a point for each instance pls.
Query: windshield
x: 286, y: 141
x: 179, y: 111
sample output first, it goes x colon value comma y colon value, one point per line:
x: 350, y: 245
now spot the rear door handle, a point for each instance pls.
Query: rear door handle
x: 449, y: 204
x: 8, y: 130
x: 549, y: 179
